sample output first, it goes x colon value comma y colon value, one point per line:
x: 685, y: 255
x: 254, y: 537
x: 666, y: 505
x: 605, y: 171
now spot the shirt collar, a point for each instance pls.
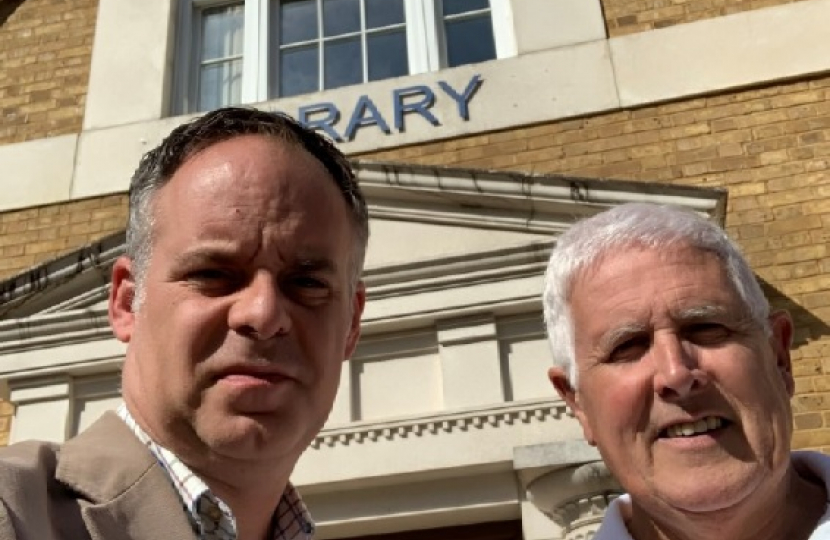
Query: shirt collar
x: 207, y: 512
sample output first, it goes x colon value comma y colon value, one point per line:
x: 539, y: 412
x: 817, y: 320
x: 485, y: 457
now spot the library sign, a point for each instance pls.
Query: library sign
x: 407, y: 102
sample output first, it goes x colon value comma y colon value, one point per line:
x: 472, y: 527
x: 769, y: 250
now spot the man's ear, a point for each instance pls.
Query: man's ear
x: 122, y: 293
x: 569, y: 395
x: 781, y: 339
x: 353, y: 335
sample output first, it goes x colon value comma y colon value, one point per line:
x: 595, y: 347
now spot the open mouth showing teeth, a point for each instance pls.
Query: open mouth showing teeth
x: 689, y: 429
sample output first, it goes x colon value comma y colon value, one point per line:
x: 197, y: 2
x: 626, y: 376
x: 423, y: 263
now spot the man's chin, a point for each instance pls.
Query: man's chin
x: 709, y: 494
x: 247, y: 436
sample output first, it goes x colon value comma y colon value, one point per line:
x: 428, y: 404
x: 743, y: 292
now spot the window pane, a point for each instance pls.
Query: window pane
x: 341, y: 17
x: 220, y: 85
x: 222, y: 32
x: 343, y: 63
x: 387, y: 55
x: 383, y: 13
x: 470, y: 41
x: 298, y: 71
x: 298, y: 20
x: 452, y: 7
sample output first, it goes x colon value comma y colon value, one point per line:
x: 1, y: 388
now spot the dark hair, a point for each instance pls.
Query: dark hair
x: 159, y: 164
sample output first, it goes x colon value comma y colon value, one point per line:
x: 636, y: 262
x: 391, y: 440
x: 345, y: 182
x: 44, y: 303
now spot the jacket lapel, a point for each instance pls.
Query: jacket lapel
x: 130, y: 495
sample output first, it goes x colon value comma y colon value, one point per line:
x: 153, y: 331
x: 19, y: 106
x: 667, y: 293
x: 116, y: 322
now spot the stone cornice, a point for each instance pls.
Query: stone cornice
x: 430, y: 425
x: 528, y: 202
x: 61, y: 280
x: 52, y: 329
x: 427, y: 275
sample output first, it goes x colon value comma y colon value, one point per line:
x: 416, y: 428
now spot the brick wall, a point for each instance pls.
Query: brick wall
x: 629, y: 16
x: 45, y: 53
x: 35, y: 235
x: 770, y: 147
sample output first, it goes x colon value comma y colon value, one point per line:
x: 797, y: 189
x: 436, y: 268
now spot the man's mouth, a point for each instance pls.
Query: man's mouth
x: 272, y: 378
x: 698, y: 427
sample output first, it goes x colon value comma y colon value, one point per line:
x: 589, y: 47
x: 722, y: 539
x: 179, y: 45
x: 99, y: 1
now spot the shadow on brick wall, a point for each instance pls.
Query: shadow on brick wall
x: 7, y: 7
x: 808, y: 327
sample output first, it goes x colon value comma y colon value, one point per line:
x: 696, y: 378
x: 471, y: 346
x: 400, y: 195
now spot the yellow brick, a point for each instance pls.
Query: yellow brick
x: 797, y: 224
x: 40, y: 32
x: 816, y: 206
x: 807, y: 368
x: 810, y: 438
x: 808, y: 421
x: 6, y: 408
x: 809, y: 284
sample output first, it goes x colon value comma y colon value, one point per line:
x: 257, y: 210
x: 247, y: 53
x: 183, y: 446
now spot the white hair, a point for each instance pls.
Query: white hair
x: 635, y: 224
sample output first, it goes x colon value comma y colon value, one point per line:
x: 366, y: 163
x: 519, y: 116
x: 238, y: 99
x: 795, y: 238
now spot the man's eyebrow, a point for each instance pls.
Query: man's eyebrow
x: 315, y: 264
x: 202, y: 255
x: 698, y: 313
x: 617, y: 335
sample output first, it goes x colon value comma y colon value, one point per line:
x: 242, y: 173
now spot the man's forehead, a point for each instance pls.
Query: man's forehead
x: 229, y: 249
x: 700, y: 288
x: 629, y: 254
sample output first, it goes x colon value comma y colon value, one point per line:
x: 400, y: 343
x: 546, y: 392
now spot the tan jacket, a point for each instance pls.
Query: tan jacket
x: 101, y: 485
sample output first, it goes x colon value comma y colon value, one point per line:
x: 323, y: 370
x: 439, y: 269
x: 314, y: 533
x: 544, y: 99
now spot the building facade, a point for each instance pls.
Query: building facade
x: 480, y: 131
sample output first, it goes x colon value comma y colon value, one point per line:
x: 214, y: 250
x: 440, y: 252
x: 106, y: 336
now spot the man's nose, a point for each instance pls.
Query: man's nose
x: 677, y: 371
x: 259, y: 309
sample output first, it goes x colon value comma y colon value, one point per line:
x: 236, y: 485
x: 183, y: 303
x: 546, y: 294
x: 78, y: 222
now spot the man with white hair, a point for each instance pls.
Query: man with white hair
x: 666, y: 351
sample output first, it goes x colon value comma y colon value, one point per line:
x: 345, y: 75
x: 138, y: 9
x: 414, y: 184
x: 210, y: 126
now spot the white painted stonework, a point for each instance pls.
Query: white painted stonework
x: 130, y: 57
x: 28, y: 178
x: 444, y: 415
x: 564, y: 66
x: 725, y: 52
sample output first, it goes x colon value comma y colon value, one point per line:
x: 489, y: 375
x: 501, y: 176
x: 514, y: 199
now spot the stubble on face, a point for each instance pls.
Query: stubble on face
x: 249, y: 303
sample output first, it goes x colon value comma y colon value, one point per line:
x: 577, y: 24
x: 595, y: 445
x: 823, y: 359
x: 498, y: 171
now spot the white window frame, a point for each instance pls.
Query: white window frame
x: 423, y: 31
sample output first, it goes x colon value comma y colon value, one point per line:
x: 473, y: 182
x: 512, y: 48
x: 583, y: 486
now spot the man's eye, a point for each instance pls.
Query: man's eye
x: 207, y: 274
x: 630, y: 350
x: 212, y: 280
x: 308, y: 282
x: 308, y: 290
x: 706, y: 333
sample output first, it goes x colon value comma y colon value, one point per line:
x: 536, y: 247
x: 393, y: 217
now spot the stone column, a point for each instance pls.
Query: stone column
x: 575, y: 497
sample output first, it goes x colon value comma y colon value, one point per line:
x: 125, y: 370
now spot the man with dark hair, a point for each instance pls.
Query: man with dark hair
x: 239, y: 298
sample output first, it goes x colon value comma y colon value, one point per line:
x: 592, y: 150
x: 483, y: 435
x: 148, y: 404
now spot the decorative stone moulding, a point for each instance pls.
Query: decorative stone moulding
x: 582, y: 517
x: 576, y: 498
x: 439, y: 424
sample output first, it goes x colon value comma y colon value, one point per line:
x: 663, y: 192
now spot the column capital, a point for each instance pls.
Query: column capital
x: 575, y: 497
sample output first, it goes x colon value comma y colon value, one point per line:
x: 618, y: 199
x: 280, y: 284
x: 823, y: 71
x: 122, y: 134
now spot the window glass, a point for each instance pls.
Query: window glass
x: 298, y: 73
x: 469, y: 40
x: 361, y: 40
x: 222, y: 32
x: 220, y: 84
x: 341, y: 17
x: 313, y: 45
x: 453, y: 7
x: 387, y: 55
x: 298, y: 20
x: 381, y: 13
x: 220, y: 67
x: 468, y: 31
x: 343, y: 63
